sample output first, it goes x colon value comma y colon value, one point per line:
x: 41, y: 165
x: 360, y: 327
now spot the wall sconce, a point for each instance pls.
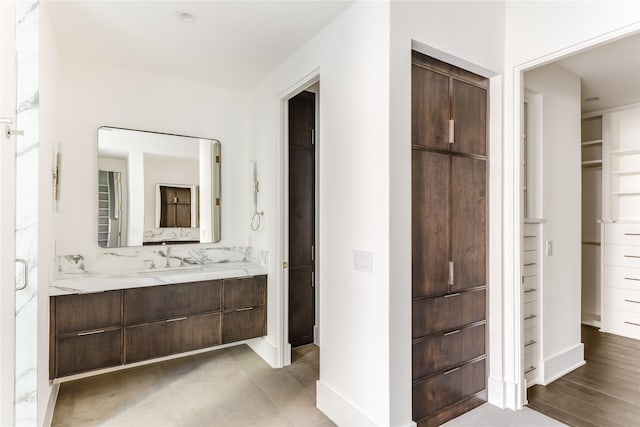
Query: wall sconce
x: 57, y: 177
x: 257, y: 220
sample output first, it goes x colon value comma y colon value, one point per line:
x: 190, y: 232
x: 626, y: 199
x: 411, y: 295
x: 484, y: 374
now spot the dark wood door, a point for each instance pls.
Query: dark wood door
x: 301, y: 218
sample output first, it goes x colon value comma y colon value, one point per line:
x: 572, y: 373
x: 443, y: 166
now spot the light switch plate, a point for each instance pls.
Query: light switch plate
x: 549, y: 248
x: 363, y: 261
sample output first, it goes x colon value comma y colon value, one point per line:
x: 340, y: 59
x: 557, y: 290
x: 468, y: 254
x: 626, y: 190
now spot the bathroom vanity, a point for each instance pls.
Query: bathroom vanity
x: 105, y: 321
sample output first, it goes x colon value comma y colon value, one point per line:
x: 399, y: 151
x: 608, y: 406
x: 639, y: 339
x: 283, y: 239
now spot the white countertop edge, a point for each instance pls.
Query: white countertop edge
x: 100, y: 283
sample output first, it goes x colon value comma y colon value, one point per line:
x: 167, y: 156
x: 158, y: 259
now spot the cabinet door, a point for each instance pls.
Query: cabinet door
x: 468, y: 222
x: 145, y: 305
x: 245, y: 292
x: 469, y: 112
x: 430, y: 223
x: 429, y: 108
x: 243, y: 324
x: 81, y: 353
x: 85, y: 312
x: 152, y: 340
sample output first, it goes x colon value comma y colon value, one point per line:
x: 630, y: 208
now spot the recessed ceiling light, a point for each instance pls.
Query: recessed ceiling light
x: 186, y: 17
x: 592, y: 98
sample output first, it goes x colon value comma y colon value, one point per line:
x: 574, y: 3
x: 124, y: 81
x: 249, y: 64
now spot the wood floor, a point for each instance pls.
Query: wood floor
x: 604, y: 392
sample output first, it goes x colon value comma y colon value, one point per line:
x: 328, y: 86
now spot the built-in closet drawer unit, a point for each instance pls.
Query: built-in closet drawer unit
x: 244, y: 313
x: 530, y: 291
x: 624, y: 323
x: 623, y: 234
x: 623, y: 256
x: 622, y: 277
x: 86, y: 332
x: 170, y: 319
x: 432, y: 315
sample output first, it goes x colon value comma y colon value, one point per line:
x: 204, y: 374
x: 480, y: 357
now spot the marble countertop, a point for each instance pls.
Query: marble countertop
x: 79, y: 283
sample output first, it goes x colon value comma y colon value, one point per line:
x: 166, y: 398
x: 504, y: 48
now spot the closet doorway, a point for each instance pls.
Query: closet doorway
x: 581, y: 237
x: 302, y: 115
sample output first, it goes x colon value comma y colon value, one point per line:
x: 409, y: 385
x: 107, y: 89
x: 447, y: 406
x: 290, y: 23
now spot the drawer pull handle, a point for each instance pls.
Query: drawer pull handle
x: 526, y: 291
x: 632, y: 234
x: 530, y: 343
x: 531, y: 316
x: 630, y: 300
x: 177, y: 319
x: 531, y: 369
x: 451, y: 332
x: 244, y: 309
x: 82, y: 334
x: 632, y: 256
x: 452, y: 295
x: 451, y: 272
x: 530, y: 264
x: 632, y: 278
x: 450, y: 371
x: 632, y: 323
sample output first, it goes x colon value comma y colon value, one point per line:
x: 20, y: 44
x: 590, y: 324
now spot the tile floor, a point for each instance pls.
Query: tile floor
x: 228, y: 388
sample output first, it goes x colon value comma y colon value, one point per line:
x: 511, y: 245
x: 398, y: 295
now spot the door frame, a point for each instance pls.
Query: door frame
x: 513, y: 257
x: 302, y: 84
x: 7, y: 213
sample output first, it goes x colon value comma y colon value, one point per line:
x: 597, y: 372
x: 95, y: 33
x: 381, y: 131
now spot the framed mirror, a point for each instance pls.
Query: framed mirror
x: 156, y: 188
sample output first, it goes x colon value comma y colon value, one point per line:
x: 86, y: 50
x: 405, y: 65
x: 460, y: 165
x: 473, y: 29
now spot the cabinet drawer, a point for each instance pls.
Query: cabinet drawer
x: 622, y: 255
x: 622, y: 277
x: 243, y: 324
x: 201, y: 332
x: 530, y: 295
x: 85, y: 312
x: 81, y: 353
x: 530, y: 243
x: 623, y: 323
x: 530, y: 230
x: 152, y: 340
x: 622, y: 299
x: 622, y: 234
x: 146, y: 305
x: 447, y: 350
x: 530, y: 361
x: 245, y: 292
x: 442, y: 390
x: 443, y: 314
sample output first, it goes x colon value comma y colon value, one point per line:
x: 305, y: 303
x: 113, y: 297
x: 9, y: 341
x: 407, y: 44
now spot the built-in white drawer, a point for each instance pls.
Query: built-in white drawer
x: 531, y: 282
x: 530, y: 335
x: 530, y: 257
x: 623, y: 323
x: 530, y: 270
x: 622, y: 234
x: 530, y: 309
x: 530, y: 361
x: 622, y: 255
x: 622, y: 277
x: 530, y: 243
x: 621, y: 299
x: 530, y: 230
x: 530, y: 321
x: 530, y: 348
x: 530, y: 295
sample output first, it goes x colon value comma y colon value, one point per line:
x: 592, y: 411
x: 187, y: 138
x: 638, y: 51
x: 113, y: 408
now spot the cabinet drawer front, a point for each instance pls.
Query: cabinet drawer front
x: 622, y: 255
x: 443, y: 314
x: 244, y: 324
x: 623, y: 323
x: 447, y: 350
x: 75, y: 354
x: 622, y: 299
x: 622, y: 277
x: 146, y: 305
x: 84, y: 312
x: 245, y: 292
x: 151, y: 341
x: 200, y: 332
x: 622, y: 234
x: 440, y: 391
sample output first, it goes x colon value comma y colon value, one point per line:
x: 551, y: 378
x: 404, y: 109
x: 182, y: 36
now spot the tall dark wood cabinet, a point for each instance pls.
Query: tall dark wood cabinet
x: 449, y: 240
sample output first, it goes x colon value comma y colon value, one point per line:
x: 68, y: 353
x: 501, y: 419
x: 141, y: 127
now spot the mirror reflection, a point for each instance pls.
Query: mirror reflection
x: 156, y: 188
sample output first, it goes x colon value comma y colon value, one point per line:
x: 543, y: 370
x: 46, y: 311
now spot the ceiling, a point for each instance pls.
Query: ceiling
x: 610, y: 71
x: 232, y: 44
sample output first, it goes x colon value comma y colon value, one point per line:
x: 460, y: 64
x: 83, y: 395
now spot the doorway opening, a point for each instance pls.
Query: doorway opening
x: 301, y: 235
x: 581, y: 232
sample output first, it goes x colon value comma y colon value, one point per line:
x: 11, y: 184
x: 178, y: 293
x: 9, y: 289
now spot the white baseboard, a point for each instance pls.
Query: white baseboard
x: 51, y: 405
x: 338, y: 409
x: 562, y: 363
x: 263, y: 348
x: 503, y: 394
x: 591, y: 319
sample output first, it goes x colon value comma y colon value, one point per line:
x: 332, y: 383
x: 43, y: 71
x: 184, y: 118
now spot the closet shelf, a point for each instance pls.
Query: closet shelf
x: 592, y: 163
x: 626, y: 151
x: 636, y: 172
x: 592, y: 142
x: 625, y: 193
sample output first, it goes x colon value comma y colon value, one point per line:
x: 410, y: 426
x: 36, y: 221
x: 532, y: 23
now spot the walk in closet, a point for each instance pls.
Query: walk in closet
x: 449, y: 240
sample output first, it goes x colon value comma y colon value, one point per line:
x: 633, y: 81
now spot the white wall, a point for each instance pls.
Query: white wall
x: 562, y: 210
x: 474, y: 42
x: 97, y: 96
x: 351, y: 54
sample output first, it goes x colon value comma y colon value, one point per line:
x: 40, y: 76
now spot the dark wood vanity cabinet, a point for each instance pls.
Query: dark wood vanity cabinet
x: 449, y: 240
x: 105, y: 329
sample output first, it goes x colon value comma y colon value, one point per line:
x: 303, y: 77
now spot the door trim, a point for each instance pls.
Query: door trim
x: 283, y: 252
x: 7, y: 214
x: 513, y: 200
